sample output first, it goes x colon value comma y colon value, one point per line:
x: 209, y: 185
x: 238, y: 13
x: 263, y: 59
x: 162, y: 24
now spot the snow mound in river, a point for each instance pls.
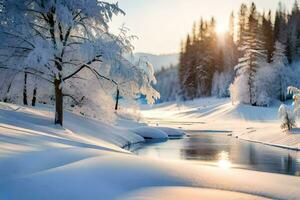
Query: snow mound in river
x: 150, y: 133
x: 171, y: 132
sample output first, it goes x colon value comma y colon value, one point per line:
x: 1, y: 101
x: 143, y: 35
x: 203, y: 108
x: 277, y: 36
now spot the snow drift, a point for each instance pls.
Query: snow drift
x: 84, y: 160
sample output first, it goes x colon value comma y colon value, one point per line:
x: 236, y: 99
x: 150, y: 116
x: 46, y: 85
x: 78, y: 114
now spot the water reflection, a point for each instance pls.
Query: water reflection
x: 226, y: 152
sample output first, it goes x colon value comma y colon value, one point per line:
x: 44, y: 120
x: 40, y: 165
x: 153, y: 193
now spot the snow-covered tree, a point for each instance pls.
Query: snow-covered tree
x: 282, y: 70
x: 168, y: 84
x: 67, y: 44
x: 221, y: 83
x: 254, y: 57
x: 266, y: 85
x: 272, y: 78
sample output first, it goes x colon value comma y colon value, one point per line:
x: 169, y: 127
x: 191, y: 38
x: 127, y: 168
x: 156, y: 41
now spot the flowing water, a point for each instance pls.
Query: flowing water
x: 224, y: 151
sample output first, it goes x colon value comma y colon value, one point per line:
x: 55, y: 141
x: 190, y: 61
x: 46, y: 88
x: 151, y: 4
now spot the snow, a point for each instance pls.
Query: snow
x: 84, y: 160
x: 105, y: 178
x: 170, y: 193
x: 41, y: 134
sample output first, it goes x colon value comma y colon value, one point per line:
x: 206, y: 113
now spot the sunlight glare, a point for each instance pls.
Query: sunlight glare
x: 224, y: 162
x: 221, y: 28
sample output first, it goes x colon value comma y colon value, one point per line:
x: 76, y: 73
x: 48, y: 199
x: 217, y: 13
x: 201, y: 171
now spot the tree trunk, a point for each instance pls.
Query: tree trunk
x: 34, y: 97
x: 6, y: 99
x: 25, y: 90
x: 58, y: 102
x: 117, y: 99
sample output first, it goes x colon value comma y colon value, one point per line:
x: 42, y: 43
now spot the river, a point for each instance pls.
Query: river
x: 224, y: 151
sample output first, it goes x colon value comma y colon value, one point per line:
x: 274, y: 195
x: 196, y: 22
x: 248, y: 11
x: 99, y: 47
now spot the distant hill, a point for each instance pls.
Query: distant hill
x: 158, y: 61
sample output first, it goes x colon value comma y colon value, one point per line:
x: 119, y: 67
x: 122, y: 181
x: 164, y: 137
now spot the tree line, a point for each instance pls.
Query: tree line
x: 254, y: 62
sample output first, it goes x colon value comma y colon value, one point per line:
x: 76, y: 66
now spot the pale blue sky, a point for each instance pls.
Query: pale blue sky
x: 161, y: 24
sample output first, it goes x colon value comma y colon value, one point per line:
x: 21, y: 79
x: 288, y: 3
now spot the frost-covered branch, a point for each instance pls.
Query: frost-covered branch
x: 78, y: 102
x: 34, y: 72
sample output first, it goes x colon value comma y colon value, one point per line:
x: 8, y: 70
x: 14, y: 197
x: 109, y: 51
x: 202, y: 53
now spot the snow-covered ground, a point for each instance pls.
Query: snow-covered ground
x: 258, y: 124
x: 84, y: 160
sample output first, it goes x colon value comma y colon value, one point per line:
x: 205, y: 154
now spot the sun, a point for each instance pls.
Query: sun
x: 221, y: 28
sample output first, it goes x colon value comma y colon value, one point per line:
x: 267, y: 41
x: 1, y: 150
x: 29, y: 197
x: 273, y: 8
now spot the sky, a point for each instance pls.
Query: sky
x: 160, y: 25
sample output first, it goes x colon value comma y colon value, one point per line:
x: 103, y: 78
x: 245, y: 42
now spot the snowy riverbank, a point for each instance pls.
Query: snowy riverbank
x: 258, y: 124
x: 84, y: 160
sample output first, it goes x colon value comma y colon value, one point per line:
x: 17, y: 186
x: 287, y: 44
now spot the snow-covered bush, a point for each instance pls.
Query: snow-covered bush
x: 221, y: 83
x: 239, y: 92
x: 296, y: 98
x: 288, y: 117
x: 290, y: 114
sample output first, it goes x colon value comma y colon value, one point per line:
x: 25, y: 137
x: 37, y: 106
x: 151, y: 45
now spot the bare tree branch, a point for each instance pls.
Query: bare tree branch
x: 96, y: 59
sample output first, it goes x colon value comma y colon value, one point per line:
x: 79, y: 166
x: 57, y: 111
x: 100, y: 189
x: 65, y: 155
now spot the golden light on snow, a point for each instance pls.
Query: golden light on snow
x: 224, y: 162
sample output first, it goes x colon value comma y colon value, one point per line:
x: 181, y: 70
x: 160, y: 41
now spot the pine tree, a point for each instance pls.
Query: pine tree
x: 280, y: 25
x: 243, y: 17
x: 231, y: 51
x: 294, y: 33
x: 206, y: 61
x: 182, y: 69
x: 199, y: 59
x: 254, y: 55
x: 189, y: 76
x: 268, y: 37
